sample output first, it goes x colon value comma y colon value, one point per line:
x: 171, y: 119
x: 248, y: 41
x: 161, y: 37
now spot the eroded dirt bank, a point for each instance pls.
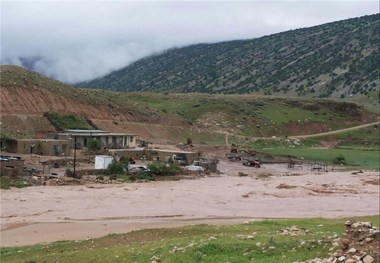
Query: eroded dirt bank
x: 50, y: 213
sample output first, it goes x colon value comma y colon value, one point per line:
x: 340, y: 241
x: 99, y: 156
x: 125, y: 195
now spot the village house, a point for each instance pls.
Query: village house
x: 52, y: 147
x: 162, y: 155
x: 64, y: 142
x: 106, y: 140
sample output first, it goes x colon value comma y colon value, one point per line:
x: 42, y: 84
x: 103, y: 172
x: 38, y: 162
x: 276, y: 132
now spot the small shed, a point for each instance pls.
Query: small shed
x: 102, y: 161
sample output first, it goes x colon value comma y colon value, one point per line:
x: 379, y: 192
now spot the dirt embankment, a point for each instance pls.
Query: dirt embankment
x: 22, y: 114
x: 36, y: 101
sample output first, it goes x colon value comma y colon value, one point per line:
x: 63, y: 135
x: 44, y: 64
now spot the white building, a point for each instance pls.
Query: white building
x: 102, y: 161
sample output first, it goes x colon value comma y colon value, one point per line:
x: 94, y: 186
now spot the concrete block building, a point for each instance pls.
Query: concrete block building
x: 106, y: 140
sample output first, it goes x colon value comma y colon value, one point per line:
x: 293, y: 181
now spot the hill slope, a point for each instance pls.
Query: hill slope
x: 26, y: 98
x: 330, y: 60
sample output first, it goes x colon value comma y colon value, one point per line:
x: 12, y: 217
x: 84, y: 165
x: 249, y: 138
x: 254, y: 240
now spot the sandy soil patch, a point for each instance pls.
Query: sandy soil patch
x: 50, y: 213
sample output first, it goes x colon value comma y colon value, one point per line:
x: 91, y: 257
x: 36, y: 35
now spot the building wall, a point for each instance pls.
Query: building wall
x: 29, y: 147
x: 131, y: 141
x: 41, y: 147
x: 152, y: 155
x: 106, y: 141
x: 132, y: 153
x: 11, y: 167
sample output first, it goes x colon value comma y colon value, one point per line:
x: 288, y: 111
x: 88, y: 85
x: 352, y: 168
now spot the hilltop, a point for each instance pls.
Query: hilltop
x: 339, y: 60
x: 29, y: 98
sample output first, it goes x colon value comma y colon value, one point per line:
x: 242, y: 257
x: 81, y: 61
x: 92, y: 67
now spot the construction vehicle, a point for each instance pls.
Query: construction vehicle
x: 253, y: 163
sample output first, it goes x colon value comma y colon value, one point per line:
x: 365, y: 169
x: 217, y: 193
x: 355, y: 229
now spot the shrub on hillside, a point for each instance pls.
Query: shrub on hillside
x: 67, y: 121
x: 340, y: 159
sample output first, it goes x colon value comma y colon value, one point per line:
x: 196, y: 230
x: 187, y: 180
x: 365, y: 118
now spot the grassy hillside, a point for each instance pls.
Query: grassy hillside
x: 70, y: 121
x: 339, y: 60
x: 167, y: 117
x: 251, y: 115
x: 13, y: 76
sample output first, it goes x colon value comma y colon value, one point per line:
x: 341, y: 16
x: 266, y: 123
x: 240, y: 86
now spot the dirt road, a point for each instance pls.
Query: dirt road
x: 50, y: 213
x: 336, y: 131
x: 226, y: 134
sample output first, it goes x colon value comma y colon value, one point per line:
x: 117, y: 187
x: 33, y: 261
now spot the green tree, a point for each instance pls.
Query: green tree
x: 340, y: 159
x: 93, y: 145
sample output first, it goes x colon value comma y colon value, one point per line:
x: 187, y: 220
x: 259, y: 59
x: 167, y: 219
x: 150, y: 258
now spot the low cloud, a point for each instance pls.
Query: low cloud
x: 76, y: 41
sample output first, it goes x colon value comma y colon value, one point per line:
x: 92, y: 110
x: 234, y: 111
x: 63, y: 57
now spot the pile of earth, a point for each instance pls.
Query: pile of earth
x: 360, y: 243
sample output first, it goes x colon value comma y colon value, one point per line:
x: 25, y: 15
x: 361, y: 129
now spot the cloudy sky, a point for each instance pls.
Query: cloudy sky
x: 79, y: 40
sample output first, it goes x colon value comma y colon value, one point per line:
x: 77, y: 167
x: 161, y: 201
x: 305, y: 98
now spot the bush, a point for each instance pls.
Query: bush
x: 339, y: 160
x: 116, y: 168
x: 125, y: 161
x: 67, y: 121
x: 132, y: 177
x: 161, y: 169
x: 144, y: 175
x: 113, y: 177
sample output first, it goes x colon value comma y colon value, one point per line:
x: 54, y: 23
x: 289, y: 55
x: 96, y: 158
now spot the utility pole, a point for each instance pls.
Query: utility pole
x: 75, y: 154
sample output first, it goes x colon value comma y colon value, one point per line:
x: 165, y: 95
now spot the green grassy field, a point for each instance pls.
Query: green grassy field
x: 259, y: 241
x: 360, y: 148
x: 360, y: 158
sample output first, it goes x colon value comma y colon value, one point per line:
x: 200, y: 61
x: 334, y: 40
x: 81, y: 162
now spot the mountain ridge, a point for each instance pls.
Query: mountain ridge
x: 337, y: 59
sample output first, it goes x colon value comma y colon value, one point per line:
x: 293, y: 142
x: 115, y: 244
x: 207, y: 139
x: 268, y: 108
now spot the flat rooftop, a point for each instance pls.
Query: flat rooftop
x: 94, y: 133
x: 148, y: 149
